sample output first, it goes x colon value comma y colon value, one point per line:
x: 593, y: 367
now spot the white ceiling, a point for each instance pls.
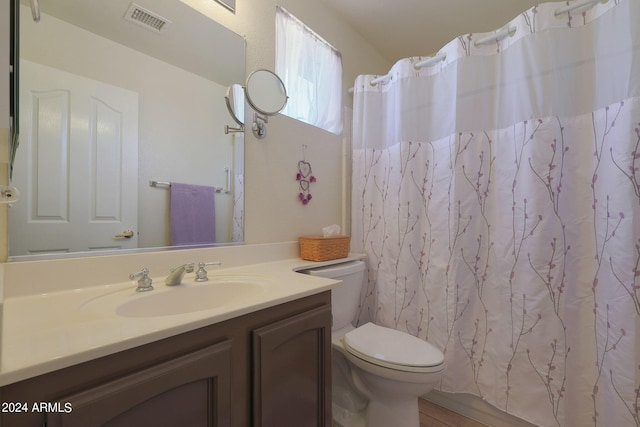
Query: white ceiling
x: 404, y: 28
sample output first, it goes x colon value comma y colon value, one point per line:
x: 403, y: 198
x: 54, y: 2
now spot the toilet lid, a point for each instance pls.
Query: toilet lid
x: 391, y: 348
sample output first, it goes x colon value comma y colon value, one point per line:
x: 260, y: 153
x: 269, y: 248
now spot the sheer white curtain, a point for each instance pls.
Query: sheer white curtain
x: 311, y: 70
x: 497, y: 195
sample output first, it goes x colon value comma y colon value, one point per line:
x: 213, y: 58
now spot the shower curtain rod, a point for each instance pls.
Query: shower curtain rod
x: 576, y: 5
x: 509, y: 31
x: 506, y: 32
x: 381, y: 79
x: 427, y: 62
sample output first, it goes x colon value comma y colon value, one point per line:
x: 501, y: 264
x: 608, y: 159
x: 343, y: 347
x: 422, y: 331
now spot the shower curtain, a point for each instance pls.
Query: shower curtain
x: 497, y: 196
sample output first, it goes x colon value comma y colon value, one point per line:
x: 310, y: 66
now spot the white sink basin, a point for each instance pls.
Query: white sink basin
x: 186, y: 298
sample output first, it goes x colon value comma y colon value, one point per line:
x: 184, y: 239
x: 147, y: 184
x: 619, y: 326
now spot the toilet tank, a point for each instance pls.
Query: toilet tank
x: 345, y: 297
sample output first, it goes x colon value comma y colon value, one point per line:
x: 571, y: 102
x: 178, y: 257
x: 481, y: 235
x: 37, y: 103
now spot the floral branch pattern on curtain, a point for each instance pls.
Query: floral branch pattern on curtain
x: 514, y: 247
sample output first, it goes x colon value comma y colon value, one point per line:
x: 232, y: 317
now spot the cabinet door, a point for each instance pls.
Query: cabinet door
x: 192, y: 390
x: 292, y: 371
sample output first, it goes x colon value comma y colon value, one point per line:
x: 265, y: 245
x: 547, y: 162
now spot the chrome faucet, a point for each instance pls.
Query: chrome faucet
x: 175, y: 277
x: 144, y: 281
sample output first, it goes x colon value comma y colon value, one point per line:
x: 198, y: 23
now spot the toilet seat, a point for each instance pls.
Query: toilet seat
x: 393, y: 349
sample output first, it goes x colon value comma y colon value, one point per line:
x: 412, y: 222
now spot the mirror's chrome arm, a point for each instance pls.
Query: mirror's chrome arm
x: 144, y: 281
x: 228, y: 129
x: 175, y: 277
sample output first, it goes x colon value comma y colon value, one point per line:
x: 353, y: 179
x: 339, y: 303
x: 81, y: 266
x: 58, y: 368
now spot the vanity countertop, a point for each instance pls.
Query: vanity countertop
x: 49, y: 331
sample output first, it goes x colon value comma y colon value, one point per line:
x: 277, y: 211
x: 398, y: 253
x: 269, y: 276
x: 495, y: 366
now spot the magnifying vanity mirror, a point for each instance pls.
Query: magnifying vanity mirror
x: 267, y: 95
x: 113, y: 112
x: 266, y: 92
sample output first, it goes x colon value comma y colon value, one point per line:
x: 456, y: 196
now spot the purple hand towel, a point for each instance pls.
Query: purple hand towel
x: 192, y: 214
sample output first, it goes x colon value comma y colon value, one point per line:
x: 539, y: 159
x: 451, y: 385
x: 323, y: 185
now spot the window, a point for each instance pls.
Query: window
x: 311, y: 70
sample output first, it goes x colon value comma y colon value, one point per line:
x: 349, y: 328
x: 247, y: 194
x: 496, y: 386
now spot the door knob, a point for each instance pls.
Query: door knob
x: 126, y: 234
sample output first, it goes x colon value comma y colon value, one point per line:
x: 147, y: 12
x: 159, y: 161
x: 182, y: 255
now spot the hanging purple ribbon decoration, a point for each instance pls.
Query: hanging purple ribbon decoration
x: 304, y: 178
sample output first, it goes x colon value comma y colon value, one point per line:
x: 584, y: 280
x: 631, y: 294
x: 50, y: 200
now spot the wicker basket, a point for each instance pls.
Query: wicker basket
x: 318, y: 248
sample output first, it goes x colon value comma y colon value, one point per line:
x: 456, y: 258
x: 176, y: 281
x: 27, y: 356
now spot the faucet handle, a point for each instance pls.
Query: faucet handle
x: 144, y: 281
x: 201, y: 274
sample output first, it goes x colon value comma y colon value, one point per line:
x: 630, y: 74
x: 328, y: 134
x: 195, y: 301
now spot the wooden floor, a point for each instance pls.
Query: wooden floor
x: 432, y: 415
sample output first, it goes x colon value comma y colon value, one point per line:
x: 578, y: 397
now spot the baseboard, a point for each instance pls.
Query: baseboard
x: 475, y: 408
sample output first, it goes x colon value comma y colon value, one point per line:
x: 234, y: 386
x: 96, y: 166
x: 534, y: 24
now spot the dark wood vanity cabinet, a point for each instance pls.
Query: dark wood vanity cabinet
x: 291, y: 371
x: 267, y: 368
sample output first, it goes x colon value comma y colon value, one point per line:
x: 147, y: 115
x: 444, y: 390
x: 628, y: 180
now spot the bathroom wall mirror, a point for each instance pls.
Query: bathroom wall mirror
x: 111, y: 112
x: 265, y: 92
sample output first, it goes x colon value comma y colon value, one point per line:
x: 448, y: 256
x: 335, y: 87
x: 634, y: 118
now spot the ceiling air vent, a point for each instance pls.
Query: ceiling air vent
x: 149, y: 20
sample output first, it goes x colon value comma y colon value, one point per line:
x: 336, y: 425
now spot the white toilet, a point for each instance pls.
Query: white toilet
x: 378, y: 373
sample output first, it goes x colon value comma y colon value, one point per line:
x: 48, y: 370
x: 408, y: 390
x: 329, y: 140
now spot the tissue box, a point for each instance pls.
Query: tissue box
x: 319, y: 248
